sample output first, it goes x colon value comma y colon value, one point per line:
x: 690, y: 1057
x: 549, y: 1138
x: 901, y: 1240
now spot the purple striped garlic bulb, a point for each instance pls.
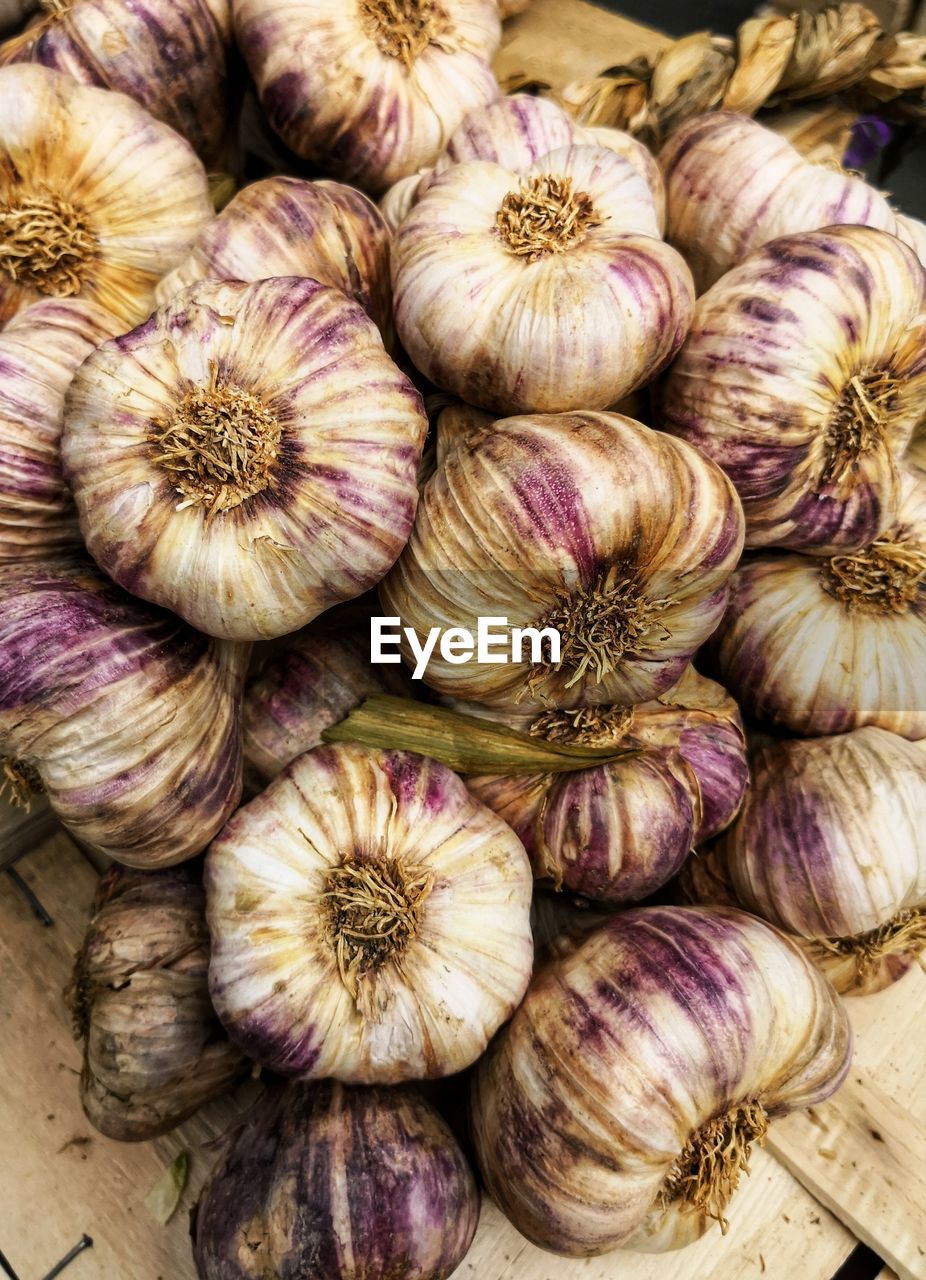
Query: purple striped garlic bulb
x: 824, y: 646
x: 169, y: 57
x: 290, y: 227
x: 369, y: 920
x: 154, y: 1050
x: 619, y: 1105
x: 262, y: 466
x: 572, y: 300
x: 732, y: 185
x: 369, y: 90
x: 309, y: 682
x: 618, y: 832
x: 40, y: 350
x: 124, y: 716
x: 829, y: 847
x: 804, y: 376
x: 98, y: 200
x: 620, y: 538
x: 332, y: 1182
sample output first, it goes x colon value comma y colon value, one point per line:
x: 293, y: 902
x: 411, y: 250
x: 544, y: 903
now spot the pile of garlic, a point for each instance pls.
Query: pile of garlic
x: 666, y: 410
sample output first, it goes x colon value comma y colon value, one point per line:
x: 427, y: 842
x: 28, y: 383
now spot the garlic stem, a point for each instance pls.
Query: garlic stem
x: 707, y: 1172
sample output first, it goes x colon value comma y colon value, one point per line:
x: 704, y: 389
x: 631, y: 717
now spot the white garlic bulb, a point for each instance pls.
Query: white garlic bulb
x: 572, y: 299
x: 369, y: 920
x: 248, y: 457
x: 804, y: 376
x: 371, y: 90
x: 97, y: 199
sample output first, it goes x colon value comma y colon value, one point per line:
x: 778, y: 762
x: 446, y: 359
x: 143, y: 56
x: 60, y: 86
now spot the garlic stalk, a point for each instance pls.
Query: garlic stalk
x: 620, y: 538
x: 97, y: 199
x: 804, y: 376
x: 823, y: 646
x: 330, y: 1182
x: 129, y: 718
x: 370, y: 90
x: 369, y: 920
x: 289, y: 227
x: 154, y: 1051
x: 168, y: 57
x: 618, y: 1107
x: 829, y: 848
x: 617, y: 832
x: 573, y: 300
x: 40, y: 348
x: 263, y: 466
x: 732, y: 185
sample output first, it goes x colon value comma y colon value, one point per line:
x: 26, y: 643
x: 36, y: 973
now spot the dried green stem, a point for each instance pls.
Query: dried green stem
x: 46, y: 243
x: 545, y: 215
x: 20, y: 781
x: 885, y: 577
x: 591, y: 726
x: 858, y: 422
x: 904, y: 934
x: 403, y: 29
x: 219, y: 447
x: 707, y: 1172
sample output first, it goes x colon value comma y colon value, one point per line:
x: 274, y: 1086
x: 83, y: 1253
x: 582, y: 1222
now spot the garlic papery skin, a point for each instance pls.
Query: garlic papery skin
x: 169, y: 57
x: 508, y: 8
x: 804, y: 376
x: 618, y: 832
x: 290, y: 227
x: 334, y: 1182
x: 398, y: 201
x: 824, y: 646
x: 732, y: 185
x: 829, y: 847
x: 40, y: 349
x: 130, y: 719
x: 97, y: 199
x: 620, y: 538
x: 262, y: 466
x: 369, y: 920
x: 573, y: 300
x: 154, y: 1050
x: 369, y: 89
x: 618, y: 1106
x: 310, y: 682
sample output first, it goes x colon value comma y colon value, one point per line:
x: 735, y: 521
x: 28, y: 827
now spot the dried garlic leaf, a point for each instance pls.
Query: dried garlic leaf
x: 763, y: 48
x: 690, y: 78
x: 163, y: 1198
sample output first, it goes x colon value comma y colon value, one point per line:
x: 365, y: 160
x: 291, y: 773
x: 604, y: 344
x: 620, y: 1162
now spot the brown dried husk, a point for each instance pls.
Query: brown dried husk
x: 154, y: 1051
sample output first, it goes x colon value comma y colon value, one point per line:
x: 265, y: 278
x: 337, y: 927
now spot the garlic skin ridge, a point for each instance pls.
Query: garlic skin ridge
x: 343, y: 837
x: 304, y: 489
x: 573, y: 300
x: 119, y: 197
x: 683, y: 1028
x: 130, y: 719
x: 622, y: 538
x: 373, y: 89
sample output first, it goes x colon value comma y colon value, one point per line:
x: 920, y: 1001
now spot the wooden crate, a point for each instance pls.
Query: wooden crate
x: 850, y: 1171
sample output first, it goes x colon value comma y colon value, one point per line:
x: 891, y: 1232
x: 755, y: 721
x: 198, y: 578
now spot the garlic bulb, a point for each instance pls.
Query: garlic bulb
x: 573, y: 300
x: 97, y: 199
x: 40, y: 349
x: 732, y: 185
x: 618, y: 1106
x: 825, y: 646
x: 373, y: 89
x: 154, y: 1051
x: 333, y: 1182
x: 262, y: 466
x: 620, y: 538
x: 311, y: 681
x: 803, y: 376
x: 617, y: 832
x: 829, y: 847
x: 369, y: 920
x: 168, y: 57
x: 289, y: 227
x: 396, y: 204
x: 129, y: 718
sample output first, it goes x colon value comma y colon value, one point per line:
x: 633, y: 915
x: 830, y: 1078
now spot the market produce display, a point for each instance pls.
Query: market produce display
x: 484, y: 630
